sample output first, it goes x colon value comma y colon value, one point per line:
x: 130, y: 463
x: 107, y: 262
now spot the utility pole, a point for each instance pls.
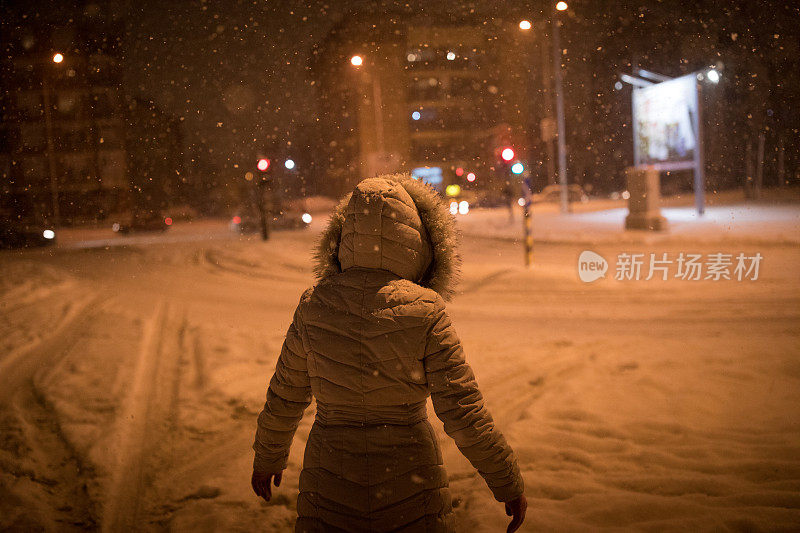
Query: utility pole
x: 51, y: 163
x: 377, y: 102
x: 263, y: 189
x: 547, y: 122
x: 562, y: 142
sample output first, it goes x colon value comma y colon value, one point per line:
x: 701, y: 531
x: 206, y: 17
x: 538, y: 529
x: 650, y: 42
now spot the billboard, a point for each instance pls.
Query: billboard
x: 666, y: 125
x: 429, y: 175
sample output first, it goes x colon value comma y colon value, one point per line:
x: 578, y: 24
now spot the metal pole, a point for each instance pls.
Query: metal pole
x: 378, y: 103
x: 527, y: 221
x: 51, y: 164
x: 760, y: 165
x: 547, y: 139
x: 562, y: 142
x: 781, y: 162
x: 263, y: 208
x: 699, y: 157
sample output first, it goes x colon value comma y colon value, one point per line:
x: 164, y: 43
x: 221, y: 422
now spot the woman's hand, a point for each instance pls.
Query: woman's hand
x: 516, y: 509
x: 261, y: 482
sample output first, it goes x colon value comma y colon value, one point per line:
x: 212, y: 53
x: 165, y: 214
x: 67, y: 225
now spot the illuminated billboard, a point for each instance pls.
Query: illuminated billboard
x: 666, y: 125
x: 430, y: 175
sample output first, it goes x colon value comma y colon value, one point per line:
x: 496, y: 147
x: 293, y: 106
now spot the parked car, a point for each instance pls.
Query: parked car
x: 16, y: 234
x: 142, y: 222
x: 552, y: 193
x: 289, y: 216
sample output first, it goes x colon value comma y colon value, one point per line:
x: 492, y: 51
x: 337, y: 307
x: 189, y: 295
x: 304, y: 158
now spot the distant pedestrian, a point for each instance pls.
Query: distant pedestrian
x: 371, y: 341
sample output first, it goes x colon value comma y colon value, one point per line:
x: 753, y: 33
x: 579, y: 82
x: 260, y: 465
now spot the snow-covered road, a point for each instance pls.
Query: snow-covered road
x: 130, y: 379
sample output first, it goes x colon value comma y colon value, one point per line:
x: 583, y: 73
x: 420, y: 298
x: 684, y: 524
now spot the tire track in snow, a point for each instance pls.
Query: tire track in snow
x: 217, y: 261
x: 146, y: 420
x: 30, y: 419
x: 484, y: 281
x: 20, y: 364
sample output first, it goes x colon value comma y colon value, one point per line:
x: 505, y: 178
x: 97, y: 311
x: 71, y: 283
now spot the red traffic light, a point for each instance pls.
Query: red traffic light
x: 459, y: 172
x: 263, y: 164
x: 507, y: 154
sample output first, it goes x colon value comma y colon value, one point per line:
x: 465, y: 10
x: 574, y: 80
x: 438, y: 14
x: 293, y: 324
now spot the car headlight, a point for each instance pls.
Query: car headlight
x: 49, y: 234
x: 306, y: 218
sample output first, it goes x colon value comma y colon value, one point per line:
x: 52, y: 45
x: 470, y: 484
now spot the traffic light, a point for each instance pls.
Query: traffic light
x: 507, y: 154
x: 263, y: 164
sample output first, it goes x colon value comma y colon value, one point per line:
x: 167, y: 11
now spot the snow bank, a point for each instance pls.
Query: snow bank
x: 752, y: 224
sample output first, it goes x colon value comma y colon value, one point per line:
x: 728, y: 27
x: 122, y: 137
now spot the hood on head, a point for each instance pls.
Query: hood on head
x: 392, y: 223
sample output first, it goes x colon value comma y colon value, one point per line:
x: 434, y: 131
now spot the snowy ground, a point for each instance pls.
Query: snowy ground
x: 728, y: 218
x: 131, y: 376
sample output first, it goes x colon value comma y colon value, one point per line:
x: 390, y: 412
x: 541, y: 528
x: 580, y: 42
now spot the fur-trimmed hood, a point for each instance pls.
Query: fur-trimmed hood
x: 395, y: 223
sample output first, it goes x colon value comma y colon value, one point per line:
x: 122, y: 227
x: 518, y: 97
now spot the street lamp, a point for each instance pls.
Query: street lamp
x: 518, y: 168
x: 559, y: 97
x: 377, y: 103
x: 48, y: 126
x: 562, y: 141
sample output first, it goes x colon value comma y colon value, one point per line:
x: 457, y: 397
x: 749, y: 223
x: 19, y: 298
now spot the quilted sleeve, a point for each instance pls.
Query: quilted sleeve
x: 288, y: 395
x: 459, y: 405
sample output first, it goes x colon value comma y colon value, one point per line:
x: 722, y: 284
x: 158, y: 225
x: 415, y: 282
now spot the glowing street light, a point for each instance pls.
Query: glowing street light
x: 559, y: 94
x: 525, y: 25
x: 289, y: 164
x: 48, y: 125
x: 713, y: 76
x: 377, y: 104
